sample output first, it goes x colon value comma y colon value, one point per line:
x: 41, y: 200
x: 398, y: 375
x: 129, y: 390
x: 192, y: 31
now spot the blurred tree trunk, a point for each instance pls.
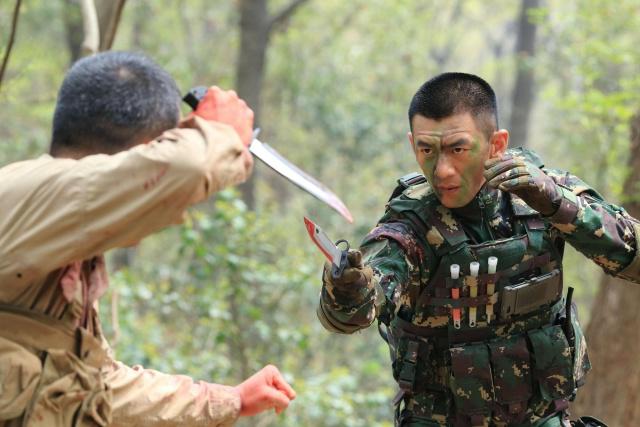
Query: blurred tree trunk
x: 612, y: 392
x: 443, y: 54
x: 108, y: 17
x: 141, y: 14
x: 73, y: 27
x: 256, y: 27
x: 522, y: 100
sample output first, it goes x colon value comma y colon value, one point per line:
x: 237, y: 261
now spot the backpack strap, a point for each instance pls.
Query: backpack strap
x: 449, y: 228
x: 407, y: 181
x: 530, y: 220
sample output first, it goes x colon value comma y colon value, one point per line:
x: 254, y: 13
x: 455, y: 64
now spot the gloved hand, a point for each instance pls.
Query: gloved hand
x: 224, y: 106
x: 525, y: 180
x: 353, y: 278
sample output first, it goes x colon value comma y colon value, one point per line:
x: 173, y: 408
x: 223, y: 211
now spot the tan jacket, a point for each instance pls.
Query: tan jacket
x: 57, y: 217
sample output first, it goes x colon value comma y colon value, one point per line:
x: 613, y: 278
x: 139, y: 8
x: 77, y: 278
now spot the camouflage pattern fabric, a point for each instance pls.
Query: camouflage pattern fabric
x: 485, y: 383
x: 514, y: 174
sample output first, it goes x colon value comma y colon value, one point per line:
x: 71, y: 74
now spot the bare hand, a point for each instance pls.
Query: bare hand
x: 224, y: 106
x: 264, y: 390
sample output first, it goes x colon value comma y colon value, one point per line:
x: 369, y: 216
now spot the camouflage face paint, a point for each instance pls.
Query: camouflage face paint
x: 451, y: 153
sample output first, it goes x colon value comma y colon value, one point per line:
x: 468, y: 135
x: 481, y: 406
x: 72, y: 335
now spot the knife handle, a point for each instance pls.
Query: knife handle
x: 194, y: 96
x: 337, y: 270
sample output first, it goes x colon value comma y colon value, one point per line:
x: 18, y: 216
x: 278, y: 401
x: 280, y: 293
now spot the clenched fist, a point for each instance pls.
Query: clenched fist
x: 226, y: 107
x: 264, y: 390
x: 355, y: 276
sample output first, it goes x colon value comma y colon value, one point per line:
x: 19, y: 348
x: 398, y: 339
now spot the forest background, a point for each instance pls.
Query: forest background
x: 236, y: 286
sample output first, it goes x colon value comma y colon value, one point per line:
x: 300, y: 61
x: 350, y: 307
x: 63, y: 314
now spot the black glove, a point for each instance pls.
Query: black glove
x: 525, y: 180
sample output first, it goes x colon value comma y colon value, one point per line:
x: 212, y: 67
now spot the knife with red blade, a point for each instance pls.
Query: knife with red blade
x: 336, y: 256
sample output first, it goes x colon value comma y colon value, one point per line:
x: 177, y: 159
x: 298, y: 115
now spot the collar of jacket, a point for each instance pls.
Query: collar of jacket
x: 485, y: 204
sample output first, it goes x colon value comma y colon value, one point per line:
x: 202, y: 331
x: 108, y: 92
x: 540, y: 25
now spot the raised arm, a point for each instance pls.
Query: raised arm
x: 55, y: 211
x: 600, y: 230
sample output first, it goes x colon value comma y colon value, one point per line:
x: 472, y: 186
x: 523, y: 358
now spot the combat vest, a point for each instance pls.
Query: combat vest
x: 523, y: 363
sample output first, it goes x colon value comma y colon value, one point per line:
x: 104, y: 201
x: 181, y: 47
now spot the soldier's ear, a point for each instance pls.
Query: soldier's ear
x: 498, y: 143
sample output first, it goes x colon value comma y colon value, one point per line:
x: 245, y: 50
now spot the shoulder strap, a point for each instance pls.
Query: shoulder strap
x: 407, y: 181
x: 530, y: 221
x: 449, y: 228
x: 529, y: 155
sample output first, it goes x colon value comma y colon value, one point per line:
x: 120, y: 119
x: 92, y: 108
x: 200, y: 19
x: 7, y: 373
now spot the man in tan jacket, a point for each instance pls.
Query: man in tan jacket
x: 121, y: 166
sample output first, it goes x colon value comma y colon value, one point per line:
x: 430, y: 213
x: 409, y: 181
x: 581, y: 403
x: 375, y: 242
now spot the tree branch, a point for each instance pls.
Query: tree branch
x: 91, y: 42
x: 284, y: 14
x: 109, y: 13
x: 12, y: 36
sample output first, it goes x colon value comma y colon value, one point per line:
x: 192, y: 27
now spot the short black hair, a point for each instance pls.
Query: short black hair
x: 109, y: 100
x: 456, y: 93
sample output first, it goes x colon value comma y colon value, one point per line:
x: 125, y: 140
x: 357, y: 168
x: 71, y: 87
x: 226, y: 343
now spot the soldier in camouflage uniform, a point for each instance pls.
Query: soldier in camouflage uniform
x: 486, y: 346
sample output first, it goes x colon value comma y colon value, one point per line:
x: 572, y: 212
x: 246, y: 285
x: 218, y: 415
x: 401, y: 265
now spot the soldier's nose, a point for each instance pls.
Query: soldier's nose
x: 443, y: 170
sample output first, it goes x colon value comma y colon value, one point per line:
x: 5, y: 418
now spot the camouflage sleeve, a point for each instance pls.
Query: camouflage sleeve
x: 390, y: 251
x: 602, y: 231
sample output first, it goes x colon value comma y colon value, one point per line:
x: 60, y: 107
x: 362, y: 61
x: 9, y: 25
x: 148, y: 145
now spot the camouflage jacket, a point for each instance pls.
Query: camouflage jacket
x: 602, y: 231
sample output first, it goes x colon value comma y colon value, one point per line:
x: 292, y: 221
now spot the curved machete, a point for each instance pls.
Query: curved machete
x: 278, y: 163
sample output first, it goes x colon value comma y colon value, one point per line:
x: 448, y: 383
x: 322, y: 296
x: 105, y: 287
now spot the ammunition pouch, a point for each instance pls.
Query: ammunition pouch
x: 407, y: 367
x: 498, y: 379
x: 577, y: 343
x: 495, y: 377
x: 531, y: 294
x: 521, y: 299
x: 552, y: 363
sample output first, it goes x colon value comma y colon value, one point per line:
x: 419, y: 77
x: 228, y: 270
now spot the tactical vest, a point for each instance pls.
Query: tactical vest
x: 521, y: 363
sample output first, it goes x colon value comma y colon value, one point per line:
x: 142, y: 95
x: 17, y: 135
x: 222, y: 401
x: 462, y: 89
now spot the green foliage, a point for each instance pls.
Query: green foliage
x: 594, y: 88
x: 232, y: 295
x: 590, y: 91
x: 36, y: 68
